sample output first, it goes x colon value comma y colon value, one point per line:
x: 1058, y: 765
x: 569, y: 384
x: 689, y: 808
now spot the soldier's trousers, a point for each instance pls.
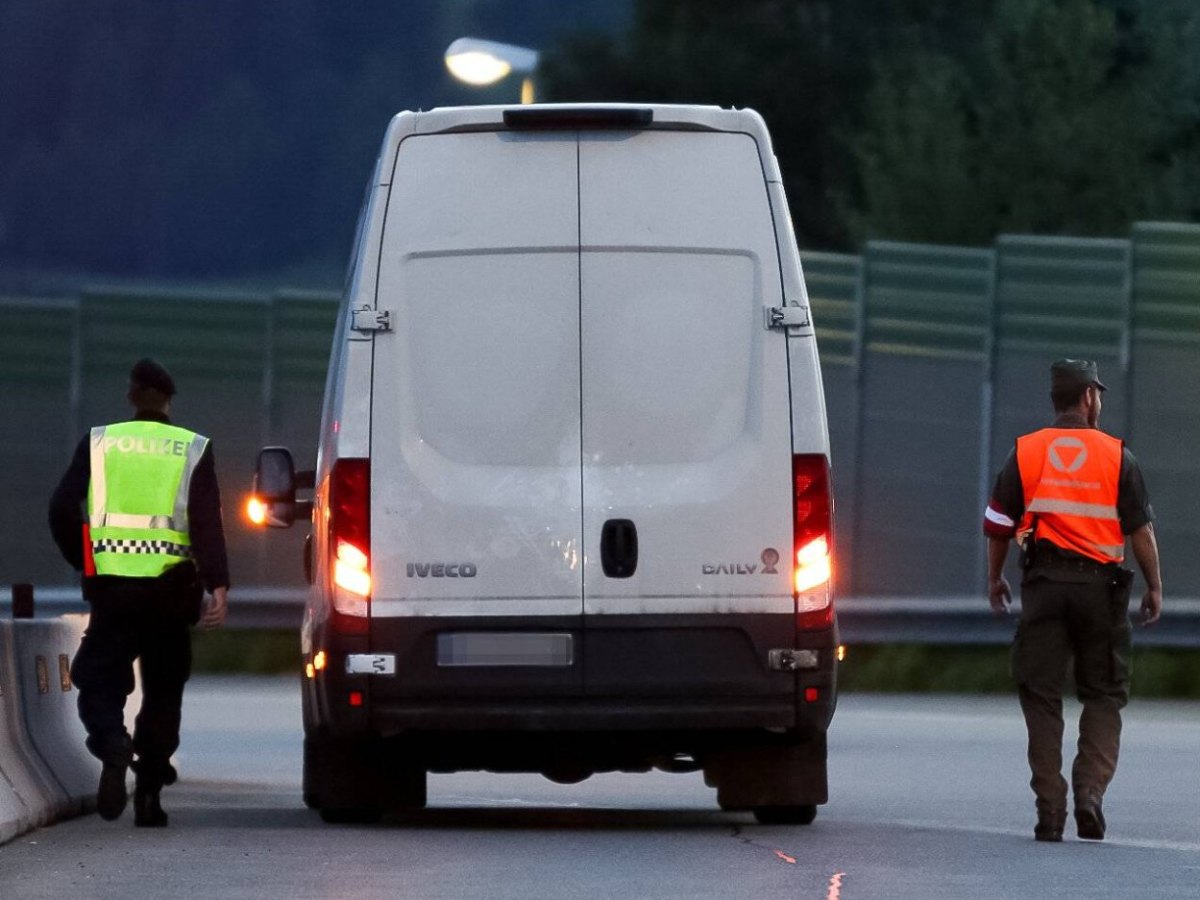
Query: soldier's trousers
x: 148, y: 623
x: 1087, y: 623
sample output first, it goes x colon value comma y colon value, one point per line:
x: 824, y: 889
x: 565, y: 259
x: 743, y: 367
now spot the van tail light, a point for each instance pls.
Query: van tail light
x: 812, y: 529
x: 352, y: 569
x: 350, y: 543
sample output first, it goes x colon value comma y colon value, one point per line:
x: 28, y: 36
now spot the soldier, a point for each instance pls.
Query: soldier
x: 152, y: 541
x: 1071, y: 494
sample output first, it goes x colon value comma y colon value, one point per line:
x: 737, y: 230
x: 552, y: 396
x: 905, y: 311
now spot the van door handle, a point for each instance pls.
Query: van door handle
x: 619, y: 548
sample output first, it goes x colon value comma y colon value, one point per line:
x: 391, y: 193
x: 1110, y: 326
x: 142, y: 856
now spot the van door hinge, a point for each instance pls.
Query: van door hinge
x: 787, y: 317
x: 368, y: 319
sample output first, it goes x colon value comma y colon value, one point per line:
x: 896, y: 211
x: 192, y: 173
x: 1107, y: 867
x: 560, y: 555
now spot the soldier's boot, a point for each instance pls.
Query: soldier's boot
x: 1050, y: 823
x: 1089, y: 817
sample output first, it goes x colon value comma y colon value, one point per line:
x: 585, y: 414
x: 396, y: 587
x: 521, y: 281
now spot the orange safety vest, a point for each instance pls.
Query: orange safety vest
x: 1071, y: 478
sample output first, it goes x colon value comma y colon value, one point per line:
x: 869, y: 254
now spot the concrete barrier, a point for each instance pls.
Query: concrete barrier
x: 46, y: 772
x: 38, y: 794
x: 44, y: 653
x: 13, y: 811
x: 15, y: 815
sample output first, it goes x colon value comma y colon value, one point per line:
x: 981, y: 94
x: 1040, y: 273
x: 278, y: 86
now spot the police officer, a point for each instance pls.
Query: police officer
x: 139, y: 513
x: 1071, y: 494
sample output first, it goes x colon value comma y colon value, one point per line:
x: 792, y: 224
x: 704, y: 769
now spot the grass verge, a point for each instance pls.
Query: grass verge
x: 227, y: 651
x: 924, y: 668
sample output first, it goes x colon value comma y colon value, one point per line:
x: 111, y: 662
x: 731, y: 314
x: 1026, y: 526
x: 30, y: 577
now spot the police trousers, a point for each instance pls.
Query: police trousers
x: 1082, y: 626
x: 145, y: 620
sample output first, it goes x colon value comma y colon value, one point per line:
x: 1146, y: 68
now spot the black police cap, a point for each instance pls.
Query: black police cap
x: 1067, y: 374
x: 149, y: 374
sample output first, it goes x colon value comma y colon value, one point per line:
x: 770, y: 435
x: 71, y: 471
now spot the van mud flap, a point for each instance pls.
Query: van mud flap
x: 783, y: 772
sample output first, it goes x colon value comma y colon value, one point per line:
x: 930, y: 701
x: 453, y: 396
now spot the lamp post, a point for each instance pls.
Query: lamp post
x: 481, y: 63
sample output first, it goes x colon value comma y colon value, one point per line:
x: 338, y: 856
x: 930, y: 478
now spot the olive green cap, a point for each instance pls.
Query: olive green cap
x: 1066, y: 374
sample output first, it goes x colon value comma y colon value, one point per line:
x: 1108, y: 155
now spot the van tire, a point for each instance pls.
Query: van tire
x: 803, y: 814
x: 357, y: 780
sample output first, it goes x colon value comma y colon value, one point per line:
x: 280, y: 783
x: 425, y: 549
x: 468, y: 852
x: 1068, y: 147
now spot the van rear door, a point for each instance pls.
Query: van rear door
x: 686, y: 421
x: 475, y: 422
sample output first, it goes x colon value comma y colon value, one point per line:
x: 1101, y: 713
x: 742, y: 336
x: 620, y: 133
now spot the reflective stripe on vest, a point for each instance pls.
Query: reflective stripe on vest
x: 141, y: 473
x: 1071, y: 478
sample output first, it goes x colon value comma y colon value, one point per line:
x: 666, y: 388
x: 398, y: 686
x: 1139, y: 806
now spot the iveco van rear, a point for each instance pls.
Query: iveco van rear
x: 571, y: 509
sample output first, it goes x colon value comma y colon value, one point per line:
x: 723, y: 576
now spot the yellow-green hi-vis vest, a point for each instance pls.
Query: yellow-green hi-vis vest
x: 138, y: 497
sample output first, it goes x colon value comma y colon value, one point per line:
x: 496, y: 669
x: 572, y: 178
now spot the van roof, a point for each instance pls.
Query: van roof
x: 673, y: 117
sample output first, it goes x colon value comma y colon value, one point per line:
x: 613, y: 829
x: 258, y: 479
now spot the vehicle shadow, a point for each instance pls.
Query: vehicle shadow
x: 229, y: 807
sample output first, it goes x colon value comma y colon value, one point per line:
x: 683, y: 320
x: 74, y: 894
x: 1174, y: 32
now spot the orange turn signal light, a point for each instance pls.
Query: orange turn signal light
x: 256, y: 510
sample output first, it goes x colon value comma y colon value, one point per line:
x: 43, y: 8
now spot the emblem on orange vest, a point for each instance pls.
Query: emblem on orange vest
x: 1068, y: 454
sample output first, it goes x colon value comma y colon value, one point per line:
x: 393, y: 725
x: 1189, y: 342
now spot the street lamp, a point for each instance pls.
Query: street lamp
x: 481, y: 63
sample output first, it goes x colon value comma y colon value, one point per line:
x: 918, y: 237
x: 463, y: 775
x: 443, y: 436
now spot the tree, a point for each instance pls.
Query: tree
x: 1074, y: 117
x: 1064, y: 134
x: 929, y: 119
x: 917, y: 157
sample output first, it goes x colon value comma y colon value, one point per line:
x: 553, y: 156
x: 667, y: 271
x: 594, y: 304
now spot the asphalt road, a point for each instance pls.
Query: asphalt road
x: 928, y: 800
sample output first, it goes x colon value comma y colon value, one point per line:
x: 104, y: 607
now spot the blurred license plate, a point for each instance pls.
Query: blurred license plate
x: 504, y: 649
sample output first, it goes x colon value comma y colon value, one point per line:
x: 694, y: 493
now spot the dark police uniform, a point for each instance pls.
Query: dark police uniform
x: 146, y: 618
x: 1073, y: 606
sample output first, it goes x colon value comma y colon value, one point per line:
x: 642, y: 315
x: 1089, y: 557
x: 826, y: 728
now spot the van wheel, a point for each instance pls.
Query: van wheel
x: 786, y: 815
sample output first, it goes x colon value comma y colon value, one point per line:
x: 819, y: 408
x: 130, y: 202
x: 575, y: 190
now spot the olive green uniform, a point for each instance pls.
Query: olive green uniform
x: 1079, y: 619
x: 1074, y: 614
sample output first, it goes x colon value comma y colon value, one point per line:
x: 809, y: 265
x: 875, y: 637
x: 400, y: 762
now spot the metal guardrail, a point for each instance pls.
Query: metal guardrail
x: 249, y: 607
x: 969, y: 620
x: 863, y: 620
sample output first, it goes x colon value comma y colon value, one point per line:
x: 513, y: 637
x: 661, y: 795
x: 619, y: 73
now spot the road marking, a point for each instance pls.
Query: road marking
x: 1135, y: 843
x: 835, y: 886
x: 736, y: 832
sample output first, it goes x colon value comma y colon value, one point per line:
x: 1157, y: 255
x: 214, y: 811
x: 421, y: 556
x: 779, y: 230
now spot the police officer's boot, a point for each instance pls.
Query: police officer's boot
x: 147, y: 809
x: 111, y: 795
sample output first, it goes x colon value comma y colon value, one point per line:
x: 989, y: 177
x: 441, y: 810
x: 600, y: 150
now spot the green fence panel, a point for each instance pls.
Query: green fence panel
x: 834, y: 281
x: 1165, y: 423
x: 302, y: 329
x: 1058, y: 297
x: 834, y: 284
x: 302, y: 324
x: 927, y: 351
x: 37, y: 393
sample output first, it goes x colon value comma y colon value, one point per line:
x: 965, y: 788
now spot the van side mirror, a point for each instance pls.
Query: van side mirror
x: 274, y: 500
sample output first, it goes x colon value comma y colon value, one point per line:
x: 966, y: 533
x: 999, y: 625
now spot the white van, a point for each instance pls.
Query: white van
x: 572, y: 505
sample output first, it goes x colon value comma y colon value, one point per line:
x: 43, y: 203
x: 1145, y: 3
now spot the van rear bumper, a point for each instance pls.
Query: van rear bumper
x: 692, y: 660
x: 692, y: 674
x: 591, y: 715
